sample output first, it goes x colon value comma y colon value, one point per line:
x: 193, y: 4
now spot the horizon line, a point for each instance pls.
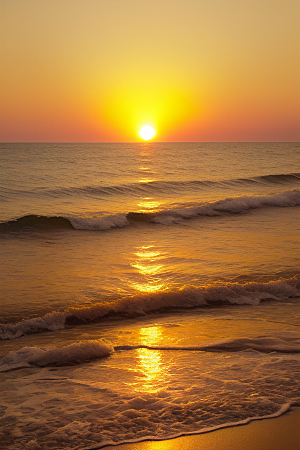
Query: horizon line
x: 147, y: 142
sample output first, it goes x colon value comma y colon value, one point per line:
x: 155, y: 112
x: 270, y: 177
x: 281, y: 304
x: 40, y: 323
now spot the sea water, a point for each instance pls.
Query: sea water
x: 147, y: 290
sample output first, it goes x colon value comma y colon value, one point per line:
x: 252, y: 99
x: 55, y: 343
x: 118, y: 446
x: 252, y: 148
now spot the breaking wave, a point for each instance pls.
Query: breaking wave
x: 85, y: 351
x: 229, y: 206
x: 135, y: 306
x: 226, y: 206
x: 35, y: 222
x: 76, y: 353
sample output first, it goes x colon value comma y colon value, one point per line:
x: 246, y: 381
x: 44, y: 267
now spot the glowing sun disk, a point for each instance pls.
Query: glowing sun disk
x: 147, y: 132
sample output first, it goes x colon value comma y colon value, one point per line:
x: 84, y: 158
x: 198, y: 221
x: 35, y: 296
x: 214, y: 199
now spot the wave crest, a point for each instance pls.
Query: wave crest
x: 78, y: 352
x: 85, y: 351
x: 100, y: 224
x: 234, y: 205
x: 230, y: 206
x: 234, y: 294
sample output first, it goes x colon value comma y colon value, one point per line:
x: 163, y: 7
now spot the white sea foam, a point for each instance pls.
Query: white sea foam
x: 282, y: 410
x: 229, y: 206
x: 235, y: 294
x: 51, y: 322
x: 74, y: 353
x: 99, y: 224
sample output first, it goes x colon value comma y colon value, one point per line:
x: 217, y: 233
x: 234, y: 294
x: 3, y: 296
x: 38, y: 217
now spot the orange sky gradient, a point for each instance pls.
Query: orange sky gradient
x: 195, y: 70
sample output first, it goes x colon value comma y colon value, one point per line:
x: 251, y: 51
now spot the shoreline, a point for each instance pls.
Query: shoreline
x: 274, y: 433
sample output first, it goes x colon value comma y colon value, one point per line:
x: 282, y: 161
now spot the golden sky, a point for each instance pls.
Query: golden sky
x: 195, y: 70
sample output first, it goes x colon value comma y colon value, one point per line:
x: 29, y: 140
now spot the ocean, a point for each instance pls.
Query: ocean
x: 148, y: 290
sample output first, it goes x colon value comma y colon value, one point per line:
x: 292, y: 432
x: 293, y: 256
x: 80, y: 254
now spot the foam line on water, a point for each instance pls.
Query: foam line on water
x: 282, y: 410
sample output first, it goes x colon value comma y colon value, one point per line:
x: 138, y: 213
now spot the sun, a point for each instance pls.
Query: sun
x: 147, y: 133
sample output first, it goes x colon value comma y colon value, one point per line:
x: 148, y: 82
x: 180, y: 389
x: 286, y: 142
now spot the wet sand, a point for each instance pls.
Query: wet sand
x: 281, y: 433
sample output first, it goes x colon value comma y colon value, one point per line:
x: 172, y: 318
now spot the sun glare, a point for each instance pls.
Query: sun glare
x: 147, y: 133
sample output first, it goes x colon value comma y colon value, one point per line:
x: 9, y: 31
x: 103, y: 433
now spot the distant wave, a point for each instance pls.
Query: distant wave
x: 166, y: 186
x: 137, y: 189
x: 234, y: 294
x: 84, y: 351
x: 277, y: 179
x: 233, y: 205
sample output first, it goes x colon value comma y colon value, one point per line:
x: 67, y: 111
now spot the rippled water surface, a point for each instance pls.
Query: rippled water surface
x: 146, y: 289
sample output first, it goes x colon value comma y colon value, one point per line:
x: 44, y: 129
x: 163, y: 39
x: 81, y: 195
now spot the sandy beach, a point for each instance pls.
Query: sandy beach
x: 280, y: 433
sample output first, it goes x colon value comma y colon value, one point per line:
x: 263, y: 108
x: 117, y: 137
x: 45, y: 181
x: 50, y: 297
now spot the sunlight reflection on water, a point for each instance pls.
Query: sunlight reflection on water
x: 148, y: 205
x: 148, y: 269
x: 149, y: 362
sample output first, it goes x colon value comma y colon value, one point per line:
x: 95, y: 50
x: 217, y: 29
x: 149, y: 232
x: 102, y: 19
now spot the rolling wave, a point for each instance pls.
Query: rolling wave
x: 85, y: 351
x: 228, y: 294
x: 233, y: 205
x: 76, y: 353
x: 35, y: 222
x: 226, y: 206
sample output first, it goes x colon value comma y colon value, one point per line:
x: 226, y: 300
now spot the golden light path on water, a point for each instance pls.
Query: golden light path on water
x: 149, y: 260
x: 149, y: 264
